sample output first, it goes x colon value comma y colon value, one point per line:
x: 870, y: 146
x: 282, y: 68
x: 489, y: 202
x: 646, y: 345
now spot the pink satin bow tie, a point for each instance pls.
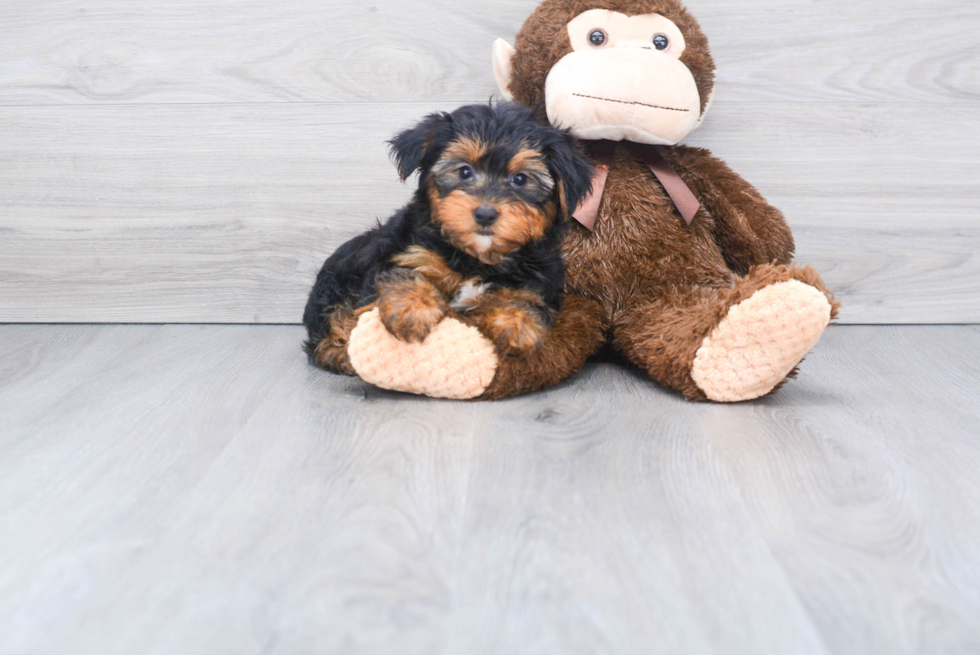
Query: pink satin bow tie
x: 602, y: 152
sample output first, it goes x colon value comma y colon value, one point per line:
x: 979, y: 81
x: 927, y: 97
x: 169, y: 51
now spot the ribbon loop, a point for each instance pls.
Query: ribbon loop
x: 602, y: 152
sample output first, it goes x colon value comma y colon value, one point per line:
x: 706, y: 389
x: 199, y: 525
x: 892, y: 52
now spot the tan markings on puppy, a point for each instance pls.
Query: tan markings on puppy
x: 432, y: 267
x: 331, y: 352
x: 454, y: 214
x: 512, y: 318
x: 465, y: 149
x: 410, y: 307
x: 529, y: 160
x: 520, y: 224
x: 563, y: 201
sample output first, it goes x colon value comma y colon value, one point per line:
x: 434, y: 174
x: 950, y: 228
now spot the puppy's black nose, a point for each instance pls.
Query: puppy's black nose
x: 485, y: 215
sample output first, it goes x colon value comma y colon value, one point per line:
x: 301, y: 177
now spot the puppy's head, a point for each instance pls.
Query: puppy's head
x: 495, y: 179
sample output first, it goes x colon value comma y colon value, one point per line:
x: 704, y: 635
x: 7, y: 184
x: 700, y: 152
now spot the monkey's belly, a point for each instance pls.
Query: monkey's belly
x: 639, y: 258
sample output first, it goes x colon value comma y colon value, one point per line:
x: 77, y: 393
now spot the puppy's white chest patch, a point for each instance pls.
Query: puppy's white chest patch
x: 467, y: 295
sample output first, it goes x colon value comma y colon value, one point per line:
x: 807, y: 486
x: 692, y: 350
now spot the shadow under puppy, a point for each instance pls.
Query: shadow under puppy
x: 480, y: 239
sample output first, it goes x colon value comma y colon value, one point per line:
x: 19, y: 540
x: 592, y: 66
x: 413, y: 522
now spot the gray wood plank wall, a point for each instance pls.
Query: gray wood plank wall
x: 187, y: 161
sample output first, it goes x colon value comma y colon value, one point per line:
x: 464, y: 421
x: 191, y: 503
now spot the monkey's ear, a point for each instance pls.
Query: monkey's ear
x: 573, y: 173
x: 409, y: 149
x: 503, y: 62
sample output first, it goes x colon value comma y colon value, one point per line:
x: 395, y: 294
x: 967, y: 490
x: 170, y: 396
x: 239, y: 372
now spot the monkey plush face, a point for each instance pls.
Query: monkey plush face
x: 624, y: 80
x: 633, y: 70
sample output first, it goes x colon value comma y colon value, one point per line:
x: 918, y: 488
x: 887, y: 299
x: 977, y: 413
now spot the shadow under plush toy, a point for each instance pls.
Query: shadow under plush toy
x: 675, y: 261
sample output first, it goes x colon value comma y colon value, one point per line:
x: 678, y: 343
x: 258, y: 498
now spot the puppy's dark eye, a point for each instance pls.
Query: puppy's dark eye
x: 519, y: 180
x: 661, y: 42
x: 465, y: 173
x: 598, y: 38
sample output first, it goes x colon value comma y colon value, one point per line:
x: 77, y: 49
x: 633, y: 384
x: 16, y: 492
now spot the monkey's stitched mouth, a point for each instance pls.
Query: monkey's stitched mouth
x: 629, y: 102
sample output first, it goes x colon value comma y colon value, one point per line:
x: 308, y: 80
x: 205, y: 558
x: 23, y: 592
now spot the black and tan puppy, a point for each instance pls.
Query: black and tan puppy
x: 480, y: 239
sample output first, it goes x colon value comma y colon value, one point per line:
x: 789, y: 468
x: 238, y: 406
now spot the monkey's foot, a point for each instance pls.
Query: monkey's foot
x: 455, y: 361
x: 761, y: 341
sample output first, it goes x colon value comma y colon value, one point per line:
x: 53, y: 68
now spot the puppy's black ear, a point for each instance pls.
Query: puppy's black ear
x: 572, y: 171
x: 409, y: 149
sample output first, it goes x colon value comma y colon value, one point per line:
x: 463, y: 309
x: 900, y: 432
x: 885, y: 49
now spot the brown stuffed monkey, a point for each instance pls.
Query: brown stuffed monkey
x: 675, y: 261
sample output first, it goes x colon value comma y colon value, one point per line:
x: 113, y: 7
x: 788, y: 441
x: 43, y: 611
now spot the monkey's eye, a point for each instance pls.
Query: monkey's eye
x: 465, y: 173
x: 519, y: 180
x: 661, y: 42
x: 598, y: 38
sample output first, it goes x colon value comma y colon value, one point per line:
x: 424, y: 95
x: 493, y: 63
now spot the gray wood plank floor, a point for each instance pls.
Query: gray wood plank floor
x: 200, y: 489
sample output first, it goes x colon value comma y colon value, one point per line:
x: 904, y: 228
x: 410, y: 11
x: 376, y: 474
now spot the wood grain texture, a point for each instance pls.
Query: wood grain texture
x: 222, y: 213
x: 182, y: 161
x: 202, y: 490
x: 857, y: 508
x: 181, y: 51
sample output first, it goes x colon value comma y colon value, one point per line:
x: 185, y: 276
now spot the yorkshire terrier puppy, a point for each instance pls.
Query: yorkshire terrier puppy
x: 479, y: 241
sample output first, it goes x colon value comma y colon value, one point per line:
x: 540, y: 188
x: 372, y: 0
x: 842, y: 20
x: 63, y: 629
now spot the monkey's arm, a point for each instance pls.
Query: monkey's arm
x: 748, y: 229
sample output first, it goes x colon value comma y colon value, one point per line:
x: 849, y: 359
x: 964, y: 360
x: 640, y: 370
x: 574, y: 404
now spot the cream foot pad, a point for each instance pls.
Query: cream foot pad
x: 455, y: 361
x: 760, y: 341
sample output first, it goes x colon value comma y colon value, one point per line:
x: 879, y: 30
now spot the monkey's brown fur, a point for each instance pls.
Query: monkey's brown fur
x: 644, y: 280
x: 577, y: 334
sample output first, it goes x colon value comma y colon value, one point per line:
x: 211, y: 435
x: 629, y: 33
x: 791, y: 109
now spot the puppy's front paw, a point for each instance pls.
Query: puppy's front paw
x: 515, y: 331
x: 411, y: 308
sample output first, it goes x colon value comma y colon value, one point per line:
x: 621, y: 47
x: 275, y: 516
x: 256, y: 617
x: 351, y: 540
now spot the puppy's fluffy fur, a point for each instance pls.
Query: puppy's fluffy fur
x: 480, y: 239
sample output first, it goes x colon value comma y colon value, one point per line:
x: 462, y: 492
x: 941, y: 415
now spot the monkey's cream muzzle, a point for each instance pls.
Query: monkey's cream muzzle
x: 623, y: 94
x: 623, y: 81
